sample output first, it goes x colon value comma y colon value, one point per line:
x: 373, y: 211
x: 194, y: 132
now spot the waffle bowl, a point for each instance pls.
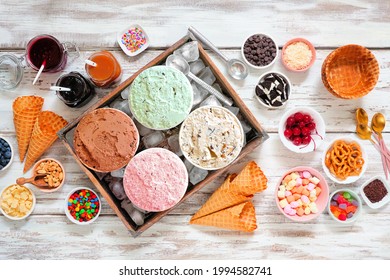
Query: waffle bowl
x: 350, y: 72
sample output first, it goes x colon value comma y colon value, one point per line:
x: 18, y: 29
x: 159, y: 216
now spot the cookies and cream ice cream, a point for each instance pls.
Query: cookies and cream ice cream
x: 160, y: 97
x: 155, y: 179
x: 106, y: 139
x: 211, y: 137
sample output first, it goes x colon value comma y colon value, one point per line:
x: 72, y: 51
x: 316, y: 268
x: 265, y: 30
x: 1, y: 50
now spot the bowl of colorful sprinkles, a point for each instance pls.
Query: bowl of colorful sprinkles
x: 82, y: 206
x: 133, y: 40
x: 344, y: 206
x: 302, y: 194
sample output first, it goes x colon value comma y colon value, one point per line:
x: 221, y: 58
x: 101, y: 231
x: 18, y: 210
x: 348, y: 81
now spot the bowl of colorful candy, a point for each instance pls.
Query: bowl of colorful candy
x: 302, y: 194
x: 6, y: 154
x: 375, y: 192
x: 344, y: 206
x: 302, y: 130
x: 82, y: 206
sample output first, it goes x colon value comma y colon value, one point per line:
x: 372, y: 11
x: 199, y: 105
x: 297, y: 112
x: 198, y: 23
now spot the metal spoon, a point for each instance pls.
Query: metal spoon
x: 236, y: 68
x: 365, y: 132
x: 361, y: 116
x: 37, y: 180
x: 178, y: 62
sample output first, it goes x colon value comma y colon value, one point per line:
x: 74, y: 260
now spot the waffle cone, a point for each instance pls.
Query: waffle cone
x: 26, y: 110
x: 240, y: 217
x: 43, y: 136
x: 350, y: 72
x: 235, y: 190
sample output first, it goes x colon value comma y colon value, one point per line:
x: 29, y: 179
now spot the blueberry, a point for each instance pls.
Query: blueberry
x: 3, y: 162
x: 8, y: 154
x: 1, y: 167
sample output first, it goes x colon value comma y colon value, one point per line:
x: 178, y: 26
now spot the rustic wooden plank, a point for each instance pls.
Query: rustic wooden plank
x: 307, y: 90
x: 227, y: 23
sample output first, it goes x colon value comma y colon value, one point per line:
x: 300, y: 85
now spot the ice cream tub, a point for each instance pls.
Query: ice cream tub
x: 211, y: 137
x: 155, y: 180
x: 106, y: 139
x: 160, y: 97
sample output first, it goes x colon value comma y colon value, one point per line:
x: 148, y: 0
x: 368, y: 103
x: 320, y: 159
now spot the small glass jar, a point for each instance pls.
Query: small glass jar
x: 50, y: 51
x: 11, y: 71
x: 81, y: 90
x: 107, y: 70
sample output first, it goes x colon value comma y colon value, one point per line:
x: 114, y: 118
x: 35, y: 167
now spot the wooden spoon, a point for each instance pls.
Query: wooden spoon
x: 37, y: 180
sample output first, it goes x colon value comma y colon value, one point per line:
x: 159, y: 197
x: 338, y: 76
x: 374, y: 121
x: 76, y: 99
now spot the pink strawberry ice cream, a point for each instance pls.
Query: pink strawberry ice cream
x: 155, y: 180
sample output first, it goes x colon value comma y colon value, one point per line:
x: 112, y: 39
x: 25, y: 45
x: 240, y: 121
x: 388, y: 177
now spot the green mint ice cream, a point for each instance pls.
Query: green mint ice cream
x: 160, y: 97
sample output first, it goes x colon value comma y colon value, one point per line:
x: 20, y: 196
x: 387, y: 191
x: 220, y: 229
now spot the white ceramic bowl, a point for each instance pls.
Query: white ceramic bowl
x: 28, y: 214
x: 124, y: 48
x: 191, y: 160
x: 350, y: 179
x: 320, y: 126
x: 289, y: 91
x: 381, y: 203
x: 12, y: 154
x: 357, y: 213
x: 254, y: 66
x: 70, y: 216
x: 63, y: 172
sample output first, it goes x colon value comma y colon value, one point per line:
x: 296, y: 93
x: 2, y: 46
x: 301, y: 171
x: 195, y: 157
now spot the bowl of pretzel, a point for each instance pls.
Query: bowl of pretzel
x: 344, y: 160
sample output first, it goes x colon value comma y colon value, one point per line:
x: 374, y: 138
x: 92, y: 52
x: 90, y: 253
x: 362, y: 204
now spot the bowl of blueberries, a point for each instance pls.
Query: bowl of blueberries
x: 6, y: 154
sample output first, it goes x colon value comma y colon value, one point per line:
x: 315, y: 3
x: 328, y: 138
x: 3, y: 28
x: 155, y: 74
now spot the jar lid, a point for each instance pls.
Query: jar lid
x: 11, y: 71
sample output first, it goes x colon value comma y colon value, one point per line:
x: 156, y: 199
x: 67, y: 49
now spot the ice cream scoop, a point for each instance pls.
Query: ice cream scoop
x: 236, y: 68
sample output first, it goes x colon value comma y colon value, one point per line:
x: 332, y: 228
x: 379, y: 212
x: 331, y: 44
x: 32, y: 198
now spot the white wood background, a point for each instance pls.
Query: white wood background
x: 47, y: 234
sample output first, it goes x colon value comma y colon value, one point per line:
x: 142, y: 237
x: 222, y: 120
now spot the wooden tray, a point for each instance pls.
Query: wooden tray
x: 254, y: 138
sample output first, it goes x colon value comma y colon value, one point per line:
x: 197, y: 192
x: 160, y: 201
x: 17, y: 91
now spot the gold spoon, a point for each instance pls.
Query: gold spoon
x: 361, y: 116
x: 365, y: 132
x: 378, y: 124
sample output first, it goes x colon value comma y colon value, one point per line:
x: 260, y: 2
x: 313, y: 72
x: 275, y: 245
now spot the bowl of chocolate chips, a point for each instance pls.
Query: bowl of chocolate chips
x: 273, y: 90
x: 259, y: 51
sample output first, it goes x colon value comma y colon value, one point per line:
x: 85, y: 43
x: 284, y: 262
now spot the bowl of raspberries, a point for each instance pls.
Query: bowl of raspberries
x: 302, y: 130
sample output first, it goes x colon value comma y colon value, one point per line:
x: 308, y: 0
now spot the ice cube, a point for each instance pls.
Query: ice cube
x: 197, y: 175
x: 210, y: 101
x: 189, y: 51
x: 137, y: 216
x: 197, y: 66
x: 142, y: 129
x: 188, y: 165
x: 173, y: 142
x: 116, y: 186
x: 125, y: 94
x: 100, y: 175
x: 153, y: 139
x: 118, y: 173
x: 232, y: 109
x: 122, y: 105
x: 199, y: 94
x: 207, y: 76
x: 217, y: 87
x: 245, y: 126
